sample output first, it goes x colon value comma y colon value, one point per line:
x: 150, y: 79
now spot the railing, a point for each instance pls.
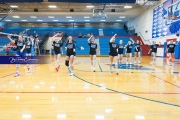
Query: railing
x: 144, y: 38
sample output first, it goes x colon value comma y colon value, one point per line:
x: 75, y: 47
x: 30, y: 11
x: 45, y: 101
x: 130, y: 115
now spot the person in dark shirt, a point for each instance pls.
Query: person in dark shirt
x: 120, y: 51
x: 153, y: 49
x: 29, y: 44
x: 170, y: 49
x: 113, y: 53
x: 70, y: 54
x: 92, y: 52
x: 57, y: 43
x: 20, y: 50
x: 129, y: 47
x: 137, y: 48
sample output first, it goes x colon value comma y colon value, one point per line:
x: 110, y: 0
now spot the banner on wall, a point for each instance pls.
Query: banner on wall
x: 168, y: 41
x: 166, y: 19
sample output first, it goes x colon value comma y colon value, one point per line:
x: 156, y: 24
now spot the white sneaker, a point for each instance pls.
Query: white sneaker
x: 71, y: 74
x: 94, y: 70
x: 126, y: 63
x: 135, y: 62
x: 110, y: 70
x: 170, y: 64
x: 16, y: 74
x: 130, y: 63
x: 117, y: 72
x: 139, y: 62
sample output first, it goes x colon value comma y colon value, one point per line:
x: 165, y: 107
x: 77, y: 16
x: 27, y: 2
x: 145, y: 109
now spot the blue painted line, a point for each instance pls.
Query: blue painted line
x: 129, y: 94
x: 175, y: 72
x: 100, y: 67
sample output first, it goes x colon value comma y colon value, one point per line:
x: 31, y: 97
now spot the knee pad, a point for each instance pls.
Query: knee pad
x: 67, y: 63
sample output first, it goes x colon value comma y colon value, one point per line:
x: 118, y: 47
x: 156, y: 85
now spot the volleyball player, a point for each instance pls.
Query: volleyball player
x: 92, y: 52
x: 170, y: 49
x: 20, y: 50
x: 138, y: 51
x: 153, y: 50
x: 113, y: 53
x: 70, y: 54
x: 29, y: 45
x: 129, y: 51
x: 120, y: 52
x: 57, y: 49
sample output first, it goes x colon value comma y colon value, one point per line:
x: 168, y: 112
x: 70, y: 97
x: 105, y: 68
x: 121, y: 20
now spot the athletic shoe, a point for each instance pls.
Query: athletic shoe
x: 57, y: 68
x: 117, y: 72
x: 139, y: 62
x: 135, y: 62
x: 130, y: 63
x: 71, y: 74
x: 16, y: 74
x: 28, y: 70
x: 69, y: 71
x: 94, y: 70
x: 126, y: 63
x: 110, y: 70
x: 170, y: 64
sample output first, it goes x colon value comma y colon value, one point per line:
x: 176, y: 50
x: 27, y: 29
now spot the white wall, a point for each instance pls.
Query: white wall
x: 144, y: 22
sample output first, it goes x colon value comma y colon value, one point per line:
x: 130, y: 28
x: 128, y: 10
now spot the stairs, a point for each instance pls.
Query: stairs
x: 145, y: 47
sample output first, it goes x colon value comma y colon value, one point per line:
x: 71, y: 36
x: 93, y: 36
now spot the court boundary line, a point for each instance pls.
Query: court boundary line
x: 100, y: 67
x: 145, y: 93
x: 147, y: 99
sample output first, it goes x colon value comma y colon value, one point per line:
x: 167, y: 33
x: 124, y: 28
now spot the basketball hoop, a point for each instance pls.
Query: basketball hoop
x: 170, y: 19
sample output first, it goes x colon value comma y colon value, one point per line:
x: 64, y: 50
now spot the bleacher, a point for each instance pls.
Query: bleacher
x: 112, y: 31
x: 104, y: 44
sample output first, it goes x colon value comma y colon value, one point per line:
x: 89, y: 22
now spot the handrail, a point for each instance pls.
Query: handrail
x: 144, y: 38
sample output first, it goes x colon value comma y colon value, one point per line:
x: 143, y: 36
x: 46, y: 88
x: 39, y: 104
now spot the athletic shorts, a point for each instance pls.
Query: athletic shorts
x: 69, y: 54
x: 171, y: 51
x: 154, y: 51
x: 21, y: 54
x: 137, y: 50
x: 56, y: 53
x: 92, y: 53
x: 129, y: 51
x: 120, y: 52
x: 113, y: 54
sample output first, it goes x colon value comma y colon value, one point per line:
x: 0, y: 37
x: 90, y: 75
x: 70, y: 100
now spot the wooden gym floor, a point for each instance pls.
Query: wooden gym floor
x: 142, y: 92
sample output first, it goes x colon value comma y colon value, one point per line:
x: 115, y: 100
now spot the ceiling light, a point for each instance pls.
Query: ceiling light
x: 86, y: 17
x: 122, y: 17
x: 68, y: 17
x: 23, y: 20
x: 102, y: 20
x: 15, y: 16
x: 33, y: 16
x: 55, y: 20
x: 86, y: 20
x: 127, y: 6
x: 52, y: 6
x: 39, y: 20
x: 89, y: 6
x: 50, y: 16
x: 14, y: 6
x: 8, y: 20
x: 71, y: 20
x: 118, y: 20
